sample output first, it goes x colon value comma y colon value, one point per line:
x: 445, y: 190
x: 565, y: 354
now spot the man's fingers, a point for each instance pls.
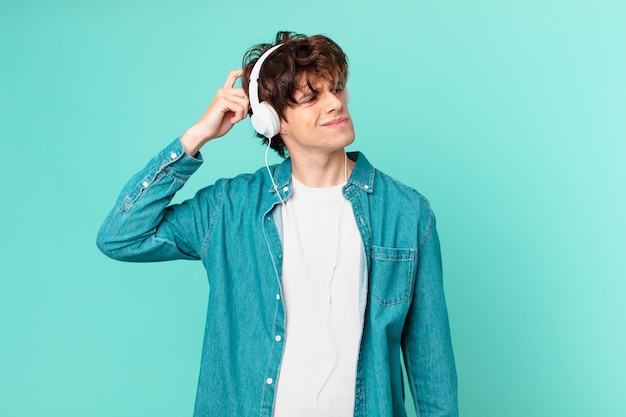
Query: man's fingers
x: 232, y: 96
x: 231, y: 92
x: 232, y: 103
x: 232, y: 77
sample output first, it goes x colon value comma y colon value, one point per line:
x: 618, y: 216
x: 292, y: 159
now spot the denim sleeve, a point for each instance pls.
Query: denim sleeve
x: 142, y: 226
x: 426, y: 341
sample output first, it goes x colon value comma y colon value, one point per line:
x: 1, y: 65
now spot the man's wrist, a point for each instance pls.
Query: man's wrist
x: 192, y: 141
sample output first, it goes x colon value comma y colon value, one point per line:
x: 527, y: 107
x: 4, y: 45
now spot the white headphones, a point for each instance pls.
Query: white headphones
x: 264, y: 118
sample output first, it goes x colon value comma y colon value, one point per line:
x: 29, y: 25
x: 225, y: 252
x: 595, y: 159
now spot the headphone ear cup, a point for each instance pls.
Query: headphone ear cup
x: 265, y: 120
x: 346, y: 93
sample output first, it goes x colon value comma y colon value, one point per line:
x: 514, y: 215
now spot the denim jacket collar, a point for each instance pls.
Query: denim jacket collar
x: 362, y: 176
x: 282, y: 177
x: 363, y: 173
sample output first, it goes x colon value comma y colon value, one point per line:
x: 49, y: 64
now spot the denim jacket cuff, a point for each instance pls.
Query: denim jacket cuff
x: 175, y: 159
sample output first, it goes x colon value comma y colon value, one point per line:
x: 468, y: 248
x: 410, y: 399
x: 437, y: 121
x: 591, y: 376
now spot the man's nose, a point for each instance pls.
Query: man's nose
x: 333, y: 100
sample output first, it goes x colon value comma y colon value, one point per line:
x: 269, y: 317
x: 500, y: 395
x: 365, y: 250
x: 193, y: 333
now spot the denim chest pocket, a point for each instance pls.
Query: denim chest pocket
x: 391, y: 275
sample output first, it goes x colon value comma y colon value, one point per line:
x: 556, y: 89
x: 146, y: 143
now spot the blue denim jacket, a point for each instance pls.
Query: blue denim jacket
x: 234, y: 228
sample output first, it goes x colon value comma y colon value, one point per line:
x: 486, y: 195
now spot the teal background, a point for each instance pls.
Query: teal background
x: 508, y: 115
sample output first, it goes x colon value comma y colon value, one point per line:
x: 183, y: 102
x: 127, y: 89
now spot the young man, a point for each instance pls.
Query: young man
x: 321, y: 269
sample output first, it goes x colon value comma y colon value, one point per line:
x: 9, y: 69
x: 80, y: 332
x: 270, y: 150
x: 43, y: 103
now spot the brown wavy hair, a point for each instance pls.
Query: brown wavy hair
x: 314, y: 57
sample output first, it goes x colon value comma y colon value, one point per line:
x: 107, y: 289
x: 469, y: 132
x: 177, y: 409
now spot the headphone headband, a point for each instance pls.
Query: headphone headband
x: 264, y: 118
x: 253, y: 91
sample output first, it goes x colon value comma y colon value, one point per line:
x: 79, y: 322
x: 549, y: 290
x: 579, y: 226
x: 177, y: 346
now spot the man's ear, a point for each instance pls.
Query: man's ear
x: 283, y: 127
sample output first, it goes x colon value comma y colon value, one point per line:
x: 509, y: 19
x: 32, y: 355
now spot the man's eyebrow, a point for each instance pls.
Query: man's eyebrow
x: 304, y: 93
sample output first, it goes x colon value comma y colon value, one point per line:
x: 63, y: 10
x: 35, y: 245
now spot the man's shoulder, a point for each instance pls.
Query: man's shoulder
x: 402, y: 190
x: 388, y: 187
x: 397, y: 202
x: 404, y: 201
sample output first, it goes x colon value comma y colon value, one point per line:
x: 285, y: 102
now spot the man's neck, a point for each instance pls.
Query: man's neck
x: 322, y: 170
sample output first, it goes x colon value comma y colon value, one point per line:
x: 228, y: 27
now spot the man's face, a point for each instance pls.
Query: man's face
x: 319, y: 122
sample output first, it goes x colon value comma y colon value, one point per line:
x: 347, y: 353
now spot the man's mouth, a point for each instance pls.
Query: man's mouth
x: 338, y: 122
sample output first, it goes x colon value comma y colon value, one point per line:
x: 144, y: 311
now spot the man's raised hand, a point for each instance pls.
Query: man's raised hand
x: 229, y: 106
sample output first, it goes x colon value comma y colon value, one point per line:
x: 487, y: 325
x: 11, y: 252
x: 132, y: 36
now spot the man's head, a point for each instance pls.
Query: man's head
x: 301, y: 65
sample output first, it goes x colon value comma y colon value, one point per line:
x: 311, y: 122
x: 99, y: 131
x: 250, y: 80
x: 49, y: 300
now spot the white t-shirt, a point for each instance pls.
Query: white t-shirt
x: 320, y: 279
